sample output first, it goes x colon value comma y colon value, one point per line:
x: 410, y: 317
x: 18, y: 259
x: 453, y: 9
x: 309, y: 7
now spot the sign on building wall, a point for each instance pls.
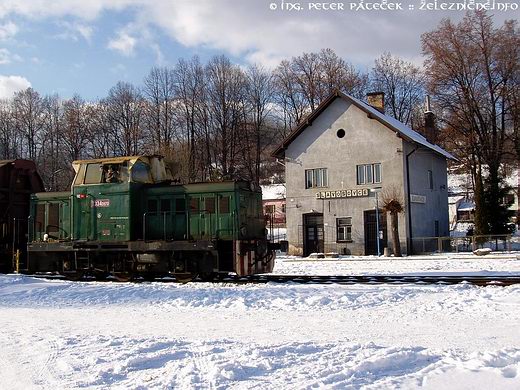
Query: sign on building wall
x: 417, y: 198
x: 342, y: 194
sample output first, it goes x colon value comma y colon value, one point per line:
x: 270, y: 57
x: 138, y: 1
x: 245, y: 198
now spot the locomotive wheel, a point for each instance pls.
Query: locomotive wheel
x: 149, y: 277
x: 186, y: 277
x: 124, y: 276
x: 100, y: 275
x: 73, y: 275
x: 208, y: 276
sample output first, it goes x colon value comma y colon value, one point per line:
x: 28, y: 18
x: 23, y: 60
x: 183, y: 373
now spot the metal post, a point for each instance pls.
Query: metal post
x: 377, y: 227
x: 144, y: 226
x: 164, y: 225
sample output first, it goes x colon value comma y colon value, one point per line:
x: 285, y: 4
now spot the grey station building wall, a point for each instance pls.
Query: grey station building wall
x: 366, y: 141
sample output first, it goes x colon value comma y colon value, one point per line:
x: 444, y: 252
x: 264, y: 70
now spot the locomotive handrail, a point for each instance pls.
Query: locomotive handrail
x: 144, y: 225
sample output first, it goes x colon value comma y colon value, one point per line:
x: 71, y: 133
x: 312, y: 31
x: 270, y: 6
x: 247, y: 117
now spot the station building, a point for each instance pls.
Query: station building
x: 338, y: 164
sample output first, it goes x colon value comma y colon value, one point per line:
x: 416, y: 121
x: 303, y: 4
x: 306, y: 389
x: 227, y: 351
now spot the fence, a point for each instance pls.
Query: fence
x: 502, y: 243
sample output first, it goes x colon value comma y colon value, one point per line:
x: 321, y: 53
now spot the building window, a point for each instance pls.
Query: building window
x: 316, y: 178
x: 344, y: 229
x: 369, y: 173
x: 270, y: 209
x: 430, y: 180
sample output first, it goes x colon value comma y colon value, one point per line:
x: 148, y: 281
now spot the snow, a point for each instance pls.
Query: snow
x: 466, y: 206
x: 278, y: 234
x: 60, y: 334
x: 273, y: 192
x: 444, y: 264
x: 461, y: 229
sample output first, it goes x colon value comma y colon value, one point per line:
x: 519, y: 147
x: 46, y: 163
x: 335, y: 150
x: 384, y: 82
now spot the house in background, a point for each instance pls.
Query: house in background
x: 273, y: 201
x: 462, y: 206
x: 341, y: 159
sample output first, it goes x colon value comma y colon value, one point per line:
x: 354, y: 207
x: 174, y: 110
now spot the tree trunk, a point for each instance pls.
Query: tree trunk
x: 395, y: 234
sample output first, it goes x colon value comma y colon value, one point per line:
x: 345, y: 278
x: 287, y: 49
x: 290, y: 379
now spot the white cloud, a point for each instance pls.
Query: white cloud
x: 86, y: 10
x: 75, y: 31
x: 6, y: 57
x: 11, y: 84
x: 8, y: 30
x: 123, y: 43
x: 249, y: 28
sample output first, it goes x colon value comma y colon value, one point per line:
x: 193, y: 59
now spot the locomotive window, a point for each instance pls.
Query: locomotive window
x: 93, y: 174
x: 180, y: 205
x: 210, y: 205
x: 165, y: 205
x: 194, y: 205
x: 80, y: 175
x: 53, y: 218
x: 223, y: 206
x: 140, y: 173
x: 152, y: 205
x: 40, y: 217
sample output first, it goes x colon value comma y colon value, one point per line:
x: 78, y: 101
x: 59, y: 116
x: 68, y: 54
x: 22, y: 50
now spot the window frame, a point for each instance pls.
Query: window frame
x: 366, y: 171
x: 316, y: 178
x: 347, y: 234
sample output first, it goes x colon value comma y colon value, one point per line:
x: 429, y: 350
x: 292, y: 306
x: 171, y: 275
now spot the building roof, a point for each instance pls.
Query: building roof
x: 392, y: 123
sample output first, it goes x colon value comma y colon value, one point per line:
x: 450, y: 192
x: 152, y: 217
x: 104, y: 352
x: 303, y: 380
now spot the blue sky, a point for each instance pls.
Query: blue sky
x: 85, y: 47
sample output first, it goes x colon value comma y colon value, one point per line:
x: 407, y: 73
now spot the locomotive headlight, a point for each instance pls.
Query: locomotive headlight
x: 243, y: 231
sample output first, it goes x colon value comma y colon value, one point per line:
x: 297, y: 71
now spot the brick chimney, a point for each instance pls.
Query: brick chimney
x: 377, y: 100
x: 430, y: 130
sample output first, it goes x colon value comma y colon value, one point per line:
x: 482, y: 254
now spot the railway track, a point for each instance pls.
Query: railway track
x: 497, y: 280
x: 391, y: 279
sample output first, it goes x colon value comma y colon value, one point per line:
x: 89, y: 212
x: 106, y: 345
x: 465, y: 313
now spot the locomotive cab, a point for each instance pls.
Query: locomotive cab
x: 106, y: 196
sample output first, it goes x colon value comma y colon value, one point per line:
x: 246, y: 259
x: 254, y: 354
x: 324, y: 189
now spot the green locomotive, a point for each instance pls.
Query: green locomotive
x: 124, y: 217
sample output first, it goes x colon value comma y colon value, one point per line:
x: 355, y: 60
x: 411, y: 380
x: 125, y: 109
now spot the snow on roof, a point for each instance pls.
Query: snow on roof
x: 273, y: 192
x: 466, y: 206
x: 403, y: 129
x: 386, y: 120
x: 454, y: 199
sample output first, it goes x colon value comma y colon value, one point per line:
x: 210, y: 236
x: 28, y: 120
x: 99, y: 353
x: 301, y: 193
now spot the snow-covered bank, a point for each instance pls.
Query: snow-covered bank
x: 449, y: 264
x: 59, y: 334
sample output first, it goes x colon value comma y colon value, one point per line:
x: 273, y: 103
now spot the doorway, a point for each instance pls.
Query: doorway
x: 371, y: 232
x: 313, y: 234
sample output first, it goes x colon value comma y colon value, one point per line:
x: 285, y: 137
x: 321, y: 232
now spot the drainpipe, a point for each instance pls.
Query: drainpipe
x: 409, y: 200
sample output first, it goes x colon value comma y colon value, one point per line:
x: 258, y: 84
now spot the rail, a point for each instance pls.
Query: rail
x: 387, y: 280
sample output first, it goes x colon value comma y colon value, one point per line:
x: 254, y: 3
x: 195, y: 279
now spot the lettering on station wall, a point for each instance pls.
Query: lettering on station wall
x: 356, y: 193
x: 417, y: 198
x: 100, y: 203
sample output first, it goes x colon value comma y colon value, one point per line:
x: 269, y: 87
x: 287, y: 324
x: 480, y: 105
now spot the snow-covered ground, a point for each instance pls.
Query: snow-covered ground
x: 446, y: 265
x: 58, y: 334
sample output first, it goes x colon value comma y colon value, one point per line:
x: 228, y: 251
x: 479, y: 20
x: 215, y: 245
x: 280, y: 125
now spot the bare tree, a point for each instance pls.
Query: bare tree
x: 29, y: 120
x: 305, y: 81
x: 393, y: 203
x: 190, y: 93
x: 225, y: 100
x: 258, y: 135
x: 403, y: 85
x: 469, y: 70
x: 159, y: 89
x: 124, y: 110
x: 8, y: 139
